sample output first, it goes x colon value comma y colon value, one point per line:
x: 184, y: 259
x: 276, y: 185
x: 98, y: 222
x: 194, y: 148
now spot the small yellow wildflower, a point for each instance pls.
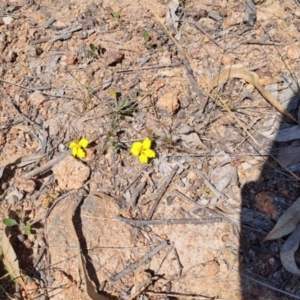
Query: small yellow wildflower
x: 142, y: 150
x: 78, y: 146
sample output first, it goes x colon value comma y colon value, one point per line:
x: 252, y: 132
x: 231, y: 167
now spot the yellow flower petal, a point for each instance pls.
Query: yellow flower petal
x: 147, y: 143
x: 73, y: 144
x: 83, y: 143
x: 80, y: 153
x: 74, y: 150
x: 143, y: 159
x: 149, y: 153
x: 136, y: 148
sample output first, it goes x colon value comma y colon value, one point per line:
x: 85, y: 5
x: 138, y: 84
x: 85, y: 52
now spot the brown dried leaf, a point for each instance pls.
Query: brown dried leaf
x: 288, y: 250
x: 287, y: 223
x: 10, y: 259
x: 89, y: 285
x: 235, y: 71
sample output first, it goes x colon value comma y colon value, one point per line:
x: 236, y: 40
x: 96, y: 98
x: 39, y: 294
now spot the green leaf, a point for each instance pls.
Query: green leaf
x: 116, y: 15
x: 122, y: 104
x: 27, y: 228
x: 146, y: 36
x: 94, y: 50
x: 115, y: 144
x: 10, y: 222
x: 117, y: 129
x: 12, y: 277
x: 125, y: 102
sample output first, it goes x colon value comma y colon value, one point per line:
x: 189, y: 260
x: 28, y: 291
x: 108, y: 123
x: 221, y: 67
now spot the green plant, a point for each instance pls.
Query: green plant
x: 24, y: 227
x: 95, y: 51
x: 116, y: 15
x: 148, y: 41
x: 146, y: 36
x: 112, y: 138
x: 124, y: 107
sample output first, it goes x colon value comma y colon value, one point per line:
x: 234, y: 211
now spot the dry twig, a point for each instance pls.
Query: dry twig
x: 141, y: 261
x: 47, y: 166
x: 161, y: 192
x: 140, y: 223
x: 148, y: 68
x: 36, y: 89
x: 198, y: 26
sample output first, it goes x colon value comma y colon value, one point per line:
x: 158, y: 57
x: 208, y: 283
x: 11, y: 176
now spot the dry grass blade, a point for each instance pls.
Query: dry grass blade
x: 287, y: 223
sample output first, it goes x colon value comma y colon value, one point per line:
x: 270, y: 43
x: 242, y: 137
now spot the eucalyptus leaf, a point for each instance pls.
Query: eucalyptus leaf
x: 287, y: 223
x: 287, y: 253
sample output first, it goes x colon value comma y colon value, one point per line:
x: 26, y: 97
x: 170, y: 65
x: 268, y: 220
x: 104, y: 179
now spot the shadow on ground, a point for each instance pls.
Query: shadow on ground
x: 263, y: 202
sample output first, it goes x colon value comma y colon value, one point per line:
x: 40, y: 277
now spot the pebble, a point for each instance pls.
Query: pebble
x: 168, y: 102
x: 7, y: 20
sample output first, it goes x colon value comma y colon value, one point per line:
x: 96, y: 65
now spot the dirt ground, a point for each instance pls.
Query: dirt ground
x: 213, y: 84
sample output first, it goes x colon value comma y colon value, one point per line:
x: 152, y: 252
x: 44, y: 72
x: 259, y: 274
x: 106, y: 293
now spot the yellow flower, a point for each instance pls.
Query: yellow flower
x: 142, y: 150
x: 78, y: 146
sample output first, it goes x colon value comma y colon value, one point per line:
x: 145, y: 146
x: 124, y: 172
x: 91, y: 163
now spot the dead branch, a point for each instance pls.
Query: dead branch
x: 141, y: 261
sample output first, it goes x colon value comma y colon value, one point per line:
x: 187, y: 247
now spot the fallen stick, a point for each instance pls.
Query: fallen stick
x: 141, y: 261
x: 140, y: 223
x: 47, y: 166
x: 161, y: 192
